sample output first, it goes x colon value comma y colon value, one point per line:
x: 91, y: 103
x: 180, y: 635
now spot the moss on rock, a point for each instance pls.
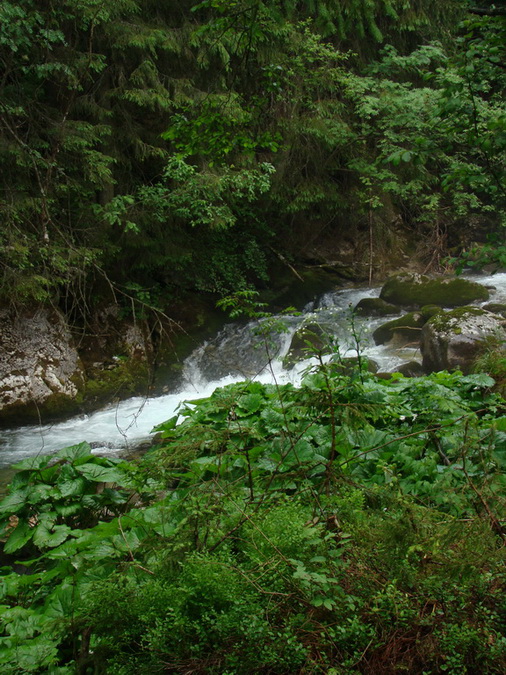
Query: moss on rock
x: 125, y: 378
x: 375, y: 307
x: 416, y: 290
x: 407, y: 327
x: 428, y: 311
x: 456, y: 338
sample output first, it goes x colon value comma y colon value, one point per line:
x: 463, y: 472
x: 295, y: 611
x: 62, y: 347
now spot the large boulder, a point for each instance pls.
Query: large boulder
x: 417, y: 290
x: 375, y: 307
x: 454, y: 340
x: 40, y: 370
x: 405, y: 329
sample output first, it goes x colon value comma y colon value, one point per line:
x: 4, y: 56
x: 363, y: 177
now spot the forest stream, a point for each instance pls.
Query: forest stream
x: 236, y: 353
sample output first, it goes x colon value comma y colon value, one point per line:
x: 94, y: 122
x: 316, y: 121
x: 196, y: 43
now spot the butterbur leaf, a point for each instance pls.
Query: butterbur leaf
x: 250, y: 403
x: 76, y: 454
x: 101, y: 474
x: 20, y: 480
x: 72, y: 488
x: 18, y: 537
x: 66, y: 510
x: 39, y: 493
x: 14, y: 502
x: 39, y: 652
x: 44, y: 538
x: 61, y: 603
x: 32, y: 463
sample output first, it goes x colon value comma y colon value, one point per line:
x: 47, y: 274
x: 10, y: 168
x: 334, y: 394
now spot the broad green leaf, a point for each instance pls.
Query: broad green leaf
x: 61, y: 604
x: 18, y: 537
x: 72, y: 488
x: 30, y: 656
x: 45, y: 538
x: 33, y: 463
x: 101, y: 474
x: 39, y: 493
x: 14, y: 502
x: 76, y: 454
x: 250, y: 403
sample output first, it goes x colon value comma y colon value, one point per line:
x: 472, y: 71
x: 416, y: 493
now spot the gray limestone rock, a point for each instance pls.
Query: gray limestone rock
x: 40, y: 369
x: 453, y: 340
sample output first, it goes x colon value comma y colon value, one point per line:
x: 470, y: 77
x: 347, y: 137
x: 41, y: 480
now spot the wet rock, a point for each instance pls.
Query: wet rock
x: 416, y: 290
x: 454, y: 340
x: 40, y: 370
x: 308, y: 338
x: 375, y: 307
x: 411, y: 369
x: 404, y: 330
x: 496, y: 308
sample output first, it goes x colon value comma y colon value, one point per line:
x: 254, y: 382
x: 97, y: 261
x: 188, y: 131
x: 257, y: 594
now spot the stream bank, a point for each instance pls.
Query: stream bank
x: 235, y: 352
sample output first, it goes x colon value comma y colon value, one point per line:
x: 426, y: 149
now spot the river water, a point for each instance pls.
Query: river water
x: 236, y: 353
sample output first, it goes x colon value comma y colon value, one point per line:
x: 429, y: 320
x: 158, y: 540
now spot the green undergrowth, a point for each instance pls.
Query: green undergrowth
x: 350, y: 525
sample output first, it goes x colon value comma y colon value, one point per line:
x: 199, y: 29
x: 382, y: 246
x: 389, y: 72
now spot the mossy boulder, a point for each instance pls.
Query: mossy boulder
x: 428, y: 311
x: 417, y: 290
x: 375, y: 307
x: 406, y: 329
x: 455, y: 339
x: 308, y: 338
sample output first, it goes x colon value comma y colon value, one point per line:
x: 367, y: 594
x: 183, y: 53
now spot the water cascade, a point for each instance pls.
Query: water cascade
x: 237, y: 352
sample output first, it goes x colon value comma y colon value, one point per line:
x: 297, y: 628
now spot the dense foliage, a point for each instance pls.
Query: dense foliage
x: 151, y: 148
x: 351, y: 525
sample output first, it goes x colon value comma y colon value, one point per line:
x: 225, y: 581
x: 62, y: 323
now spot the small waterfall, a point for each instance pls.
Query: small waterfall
x: 236, y: 353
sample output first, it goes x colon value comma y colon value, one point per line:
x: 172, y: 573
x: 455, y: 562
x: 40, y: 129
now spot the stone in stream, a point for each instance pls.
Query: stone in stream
x: 405, y: 330
x: 375, y: 307
x: 496, y: 308
x: 307, y: 340
x: 411, y: 369
x: 455, y: 339
x: 416, y: 290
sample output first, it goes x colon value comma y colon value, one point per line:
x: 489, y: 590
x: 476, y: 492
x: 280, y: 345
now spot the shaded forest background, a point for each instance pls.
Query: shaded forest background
x: 150, y: 149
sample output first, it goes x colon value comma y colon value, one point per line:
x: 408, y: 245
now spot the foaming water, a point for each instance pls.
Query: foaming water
x: 238, y: 352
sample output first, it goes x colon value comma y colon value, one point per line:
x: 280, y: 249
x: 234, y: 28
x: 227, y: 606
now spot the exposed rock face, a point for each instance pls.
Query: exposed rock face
x: 40, y: 369
x: 454, y: 339
x: 417, y: 290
